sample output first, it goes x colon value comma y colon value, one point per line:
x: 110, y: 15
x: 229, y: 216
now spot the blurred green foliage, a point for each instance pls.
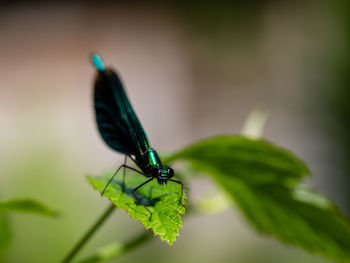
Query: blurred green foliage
x: 19, y: 205
x: 26, y: 205
x: 264, y: 181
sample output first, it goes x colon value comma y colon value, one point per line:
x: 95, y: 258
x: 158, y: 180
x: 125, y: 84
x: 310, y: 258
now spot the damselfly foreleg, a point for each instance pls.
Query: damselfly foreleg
x: 125, y: 166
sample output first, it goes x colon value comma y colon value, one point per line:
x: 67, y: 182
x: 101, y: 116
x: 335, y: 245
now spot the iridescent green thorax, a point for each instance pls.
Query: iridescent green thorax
x: 153, y: 158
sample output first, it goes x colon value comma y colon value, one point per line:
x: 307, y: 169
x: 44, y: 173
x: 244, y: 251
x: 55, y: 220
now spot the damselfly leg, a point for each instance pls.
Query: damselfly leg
x: 182, y: 190
x: 134, y: 194
x: 123, y: 185
x: 122, y: 166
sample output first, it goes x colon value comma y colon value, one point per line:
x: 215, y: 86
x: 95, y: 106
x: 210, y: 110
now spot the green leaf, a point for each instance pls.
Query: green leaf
x: 264, y: 181
x: 252, y: 161
x: 162, y: 201
x: 26, y: 205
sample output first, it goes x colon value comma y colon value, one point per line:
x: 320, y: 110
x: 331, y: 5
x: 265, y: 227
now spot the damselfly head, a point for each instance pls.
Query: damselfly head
x: 162, y: 173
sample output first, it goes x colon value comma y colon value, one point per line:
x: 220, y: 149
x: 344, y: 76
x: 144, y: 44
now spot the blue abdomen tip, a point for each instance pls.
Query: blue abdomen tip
x: 98, y: 62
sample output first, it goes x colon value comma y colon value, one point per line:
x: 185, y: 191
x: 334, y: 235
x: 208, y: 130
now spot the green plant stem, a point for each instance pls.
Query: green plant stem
x: 115, y: 250
x: 88, y: 235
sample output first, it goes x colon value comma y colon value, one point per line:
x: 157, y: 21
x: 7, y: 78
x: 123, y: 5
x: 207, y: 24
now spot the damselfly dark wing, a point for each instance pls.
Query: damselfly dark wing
x: 116, y: 119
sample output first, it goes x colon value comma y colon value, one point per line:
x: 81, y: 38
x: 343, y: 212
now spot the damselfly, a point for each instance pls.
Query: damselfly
x: 122, y: 131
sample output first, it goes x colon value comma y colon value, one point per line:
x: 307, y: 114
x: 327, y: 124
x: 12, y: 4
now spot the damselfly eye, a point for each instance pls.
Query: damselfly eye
x: 170, y: 172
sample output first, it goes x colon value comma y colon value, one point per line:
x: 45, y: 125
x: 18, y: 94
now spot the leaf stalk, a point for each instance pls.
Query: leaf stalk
x: 89, y: 234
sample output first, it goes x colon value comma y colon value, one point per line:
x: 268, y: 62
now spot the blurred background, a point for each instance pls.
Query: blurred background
x: 191, y: 70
